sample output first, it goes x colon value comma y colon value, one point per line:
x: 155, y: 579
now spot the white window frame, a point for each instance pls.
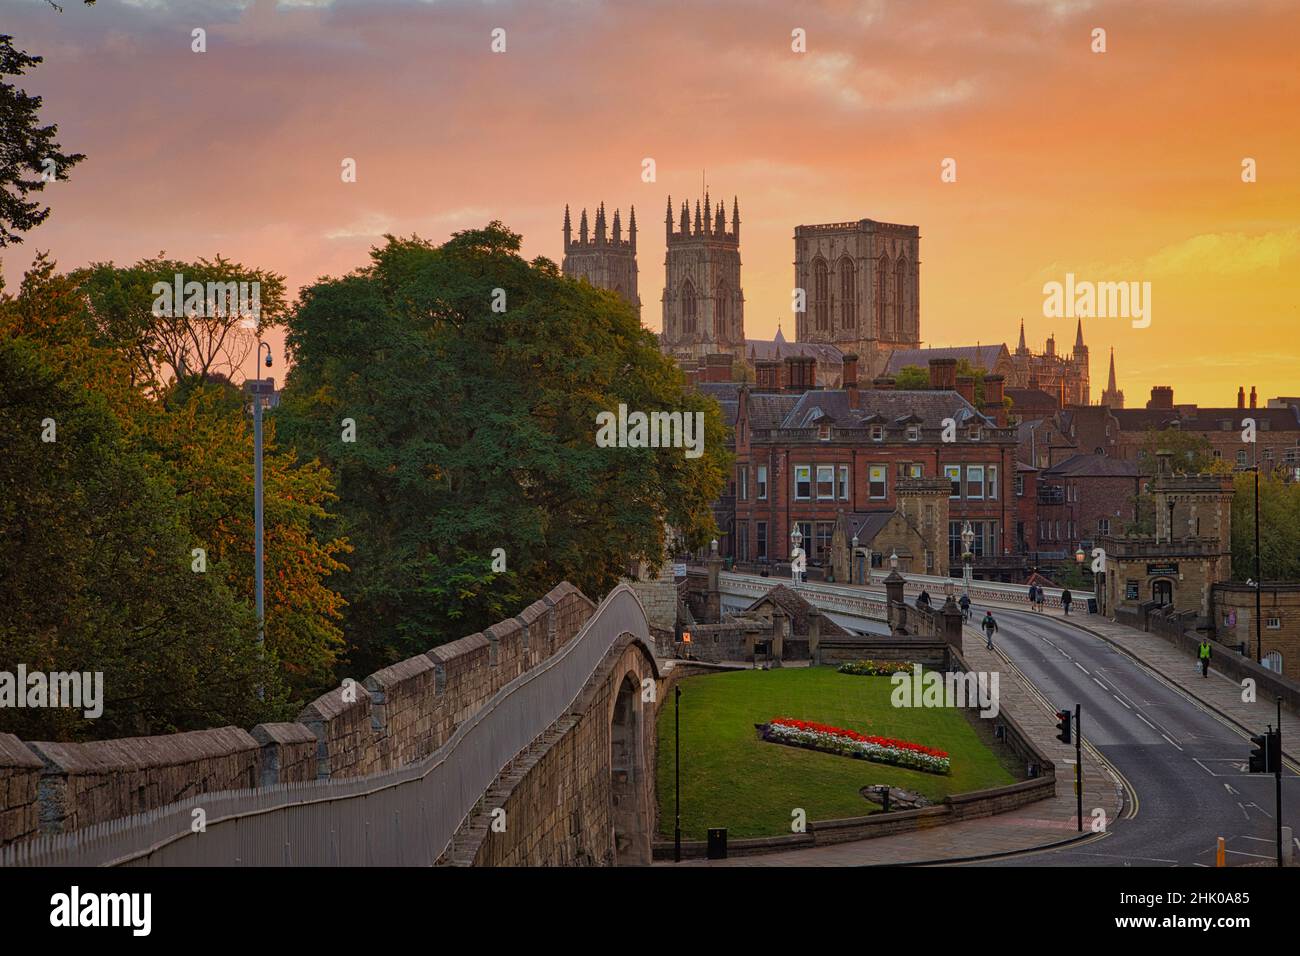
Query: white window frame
x: 762, y: 483
x: 843, y: 478
x: 883, y: 472
x: 971, y: 471
x: 953, y: 474
x: 829, y: 470
x: 991, y: 489
x: 806, y: 472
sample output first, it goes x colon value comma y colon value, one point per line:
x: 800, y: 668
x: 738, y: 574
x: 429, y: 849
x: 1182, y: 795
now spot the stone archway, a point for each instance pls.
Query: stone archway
x: 630, y: 810
x: 1162, y: 591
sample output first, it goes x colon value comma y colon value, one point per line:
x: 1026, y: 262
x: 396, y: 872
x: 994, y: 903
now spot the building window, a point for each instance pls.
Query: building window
x: 1020, y: 485
x: 913, y: 432
x: 743, y: 474
x: 975, y: 482
x: 802, y: 482
x: 688, y: 307
x: 761, y: 552
x: 824, y: 432
x: 825, y: 482
x: 824, y: 531
x: 929, y: 561
x: 848, y: 294
x: 973, y: 433
x: 1241, y: 457
x: 805, y: 529
x: 821, y: 294
x: 721, y: 310
x: 1273, y: 661
x: 877, y: 432
x: 993, y: 482
x: 876, y: 481
x: 1103, y: 526
x: 953, y: 474
x: 882, y: 316
x: 762, y: 482
x: 1273, y: 623
x: 900, y: 293
x: 844, y: 483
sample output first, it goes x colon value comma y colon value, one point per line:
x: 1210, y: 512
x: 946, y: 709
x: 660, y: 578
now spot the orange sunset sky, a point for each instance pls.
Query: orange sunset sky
x: 1123, y: 165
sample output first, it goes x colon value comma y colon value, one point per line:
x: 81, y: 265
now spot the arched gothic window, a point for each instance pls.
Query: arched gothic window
x: 848, y: 294
x: 688, y: 308
x: 722, y: 310
x: 900, y: 295
x: 821, y: 295
x: 882, y: 287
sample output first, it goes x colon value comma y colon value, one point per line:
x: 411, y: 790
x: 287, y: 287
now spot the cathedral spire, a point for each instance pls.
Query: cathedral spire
x: 582, y: 226
x: 618, y: 228
x: 708, y: 213
x: 568, y: 228
x: 735, y: 218
x: 698, y: 226
x: 1110, y: 384
x: 1021, y: 347
x: 1078, y: 337
x: 631, y: 228
x: 686, y: 218
x: 600, y: 223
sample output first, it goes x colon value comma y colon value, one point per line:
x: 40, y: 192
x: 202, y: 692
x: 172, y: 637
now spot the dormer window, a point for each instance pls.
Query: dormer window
x: 824, y: 432
x: 877, y: 432
x: 913, y: 432
x: 973, y: 433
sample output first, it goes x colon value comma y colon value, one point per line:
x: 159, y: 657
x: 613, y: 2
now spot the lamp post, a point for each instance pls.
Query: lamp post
x: 1259, y: 580
x: 967, y: 555
x: 258, y: 537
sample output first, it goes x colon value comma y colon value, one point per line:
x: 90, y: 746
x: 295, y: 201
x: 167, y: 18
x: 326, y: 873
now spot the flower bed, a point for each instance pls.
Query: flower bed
x: 850, y: 743
x: 875, y: 668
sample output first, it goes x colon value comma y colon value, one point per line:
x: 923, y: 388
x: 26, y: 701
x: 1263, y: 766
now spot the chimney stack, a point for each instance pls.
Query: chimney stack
x: 966, y: 387
x: 1253, y: 399
x: 1241, y: 396
x: 850, y: 376
x: 943, y: 373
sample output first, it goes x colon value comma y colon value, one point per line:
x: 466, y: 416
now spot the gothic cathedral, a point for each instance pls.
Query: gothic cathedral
x: 704, y: 306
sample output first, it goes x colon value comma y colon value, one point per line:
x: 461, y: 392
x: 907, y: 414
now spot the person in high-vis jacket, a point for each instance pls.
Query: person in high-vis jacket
x: 1204, y: 654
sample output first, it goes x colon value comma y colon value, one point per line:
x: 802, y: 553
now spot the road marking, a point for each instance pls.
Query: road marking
x: 1205, y: 768
x: 1171, y: 743
x: 1081, y: 667
x: 1147, y: 722
x: 1121, y: 700
x: 1100, y: 684
x: 1231, y: 789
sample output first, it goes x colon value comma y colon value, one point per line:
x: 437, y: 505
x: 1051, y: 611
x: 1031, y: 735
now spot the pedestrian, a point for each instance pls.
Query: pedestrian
x: 1066, y: 600
x: 1033, y: 597
x: 965, y: 607
x: 1039, y: 598
x: 990, y: 626
x: 1205, y: 654
x: 923, y: 599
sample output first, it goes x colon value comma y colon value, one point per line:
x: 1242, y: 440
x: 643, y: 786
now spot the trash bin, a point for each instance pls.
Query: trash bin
x: 717, y: 843
x: 1092, y: 605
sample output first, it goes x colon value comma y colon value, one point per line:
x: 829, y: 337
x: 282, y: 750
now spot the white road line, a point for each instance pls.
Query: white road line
x: 1100, y: 684
x: 1121, y: 700
x: 1171, y: 743
x: 1081, y: 667
x: 1147, y: 722
x: 1205, y: 768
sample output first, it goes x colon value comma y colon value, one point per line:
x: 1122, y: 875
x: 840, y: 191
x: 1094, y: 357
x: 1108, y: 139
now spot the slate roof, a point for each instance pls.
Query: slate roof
x: 1093, y: 466
x: 796, y: 609
x: 980, y: 356
x: 865, y: 525
x: 768, y: 410
x: 927, y: 407
x: 758, y: 350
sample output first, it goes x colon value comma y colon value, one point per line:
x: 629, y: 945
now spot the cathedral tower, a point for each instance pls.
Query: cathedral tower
x: 1112, y: 397
x: 703, y: 303
x: 605, y: 258
x: 861, y: 283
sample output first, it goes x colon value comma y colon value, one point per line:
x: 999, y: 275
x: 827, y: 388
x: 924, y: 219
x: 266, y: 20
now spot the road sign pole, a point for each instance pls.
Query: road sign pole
x: 1277, y: 772
x: 1078, y: 762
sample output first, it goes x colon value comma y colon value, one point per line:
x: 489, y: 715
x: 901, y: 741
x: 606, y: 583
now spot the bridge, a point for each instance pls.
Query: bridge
x: 530, y: 743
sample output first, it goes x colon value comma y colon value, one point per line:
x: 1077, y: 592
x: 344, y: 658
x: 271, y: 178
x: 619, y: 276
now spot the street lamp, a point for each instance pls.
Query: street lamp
x: 258, y: 537
x: 1079, y: 556
x: 893, y: 560
x: 967, y: 555
x: 798, y: 562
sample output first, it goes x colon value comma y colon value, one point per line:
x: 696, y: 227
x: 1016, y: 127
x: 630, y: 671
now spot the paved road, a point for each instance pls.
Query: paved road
x: 1187, y: 767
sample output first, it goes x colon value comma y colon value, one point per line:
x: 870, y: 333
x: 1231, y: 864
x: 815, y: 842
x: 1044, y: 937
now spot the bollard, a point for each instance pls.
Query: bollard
x: 1219, y: 853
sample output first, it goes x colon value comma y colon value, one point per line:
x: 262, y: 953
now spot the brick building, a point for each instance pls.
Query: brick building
x: 806, y: 456
x: 1084, y: 498
x: 1234, y: 622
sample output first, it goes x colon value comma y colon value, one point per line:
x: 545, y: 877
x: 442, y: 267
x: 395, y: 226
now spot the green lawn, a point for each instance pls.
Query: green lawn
x: 732, y: 779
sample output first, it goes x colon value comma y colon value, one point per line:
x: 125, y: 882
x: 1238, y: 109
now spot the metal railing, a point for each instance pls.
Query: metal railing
x: 402, y: 817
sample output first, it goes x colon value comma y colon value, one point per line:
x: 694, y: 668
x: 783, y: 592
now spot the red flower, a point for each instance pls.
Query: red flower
x: 854, y: 735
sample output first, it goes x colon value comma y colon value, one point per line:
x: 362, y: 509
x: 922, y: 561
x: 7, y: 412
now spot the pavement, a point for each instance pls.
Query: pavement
x: 1164, y: 760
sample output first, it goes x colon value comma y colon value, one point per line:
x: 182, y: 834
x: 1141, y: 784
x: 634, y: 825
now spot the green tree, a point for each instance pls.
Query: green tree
x: 1279, y: 528
x: 1190, y: 453
x: 475, y: 431
x: 912, y: 378
x: 30, y: 156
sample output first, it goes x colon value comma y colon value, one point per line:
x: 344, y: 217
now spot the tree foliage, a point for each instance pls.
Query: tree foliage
x: 474, y: 431
x: 1279, y: 528
x: 30, y: 156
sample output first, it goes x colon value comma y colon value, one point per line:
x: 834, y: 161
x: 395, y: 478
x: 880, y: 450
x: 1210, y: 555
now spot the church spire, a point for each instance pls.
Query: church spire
x: 568, y: 228
x: 582, y: 226
x: 1110, y: 384
x: 1021, y: 349
x: 1078, y: 337
x: 631, y: 228
x: 618, y: 228
x: 735, y: 217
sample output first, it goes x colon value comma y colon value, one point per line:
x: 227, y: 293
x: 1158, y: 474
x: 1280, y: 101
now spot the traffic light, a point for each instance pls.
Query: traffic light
x: 1259, y: 755
x: 1274, y: 750
x: 1063, y: 726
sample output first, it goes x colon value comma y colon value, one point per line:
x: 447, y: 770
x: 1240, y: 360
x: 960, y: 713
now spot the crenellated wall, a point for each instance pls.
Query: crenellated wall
x: 391, y: 718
